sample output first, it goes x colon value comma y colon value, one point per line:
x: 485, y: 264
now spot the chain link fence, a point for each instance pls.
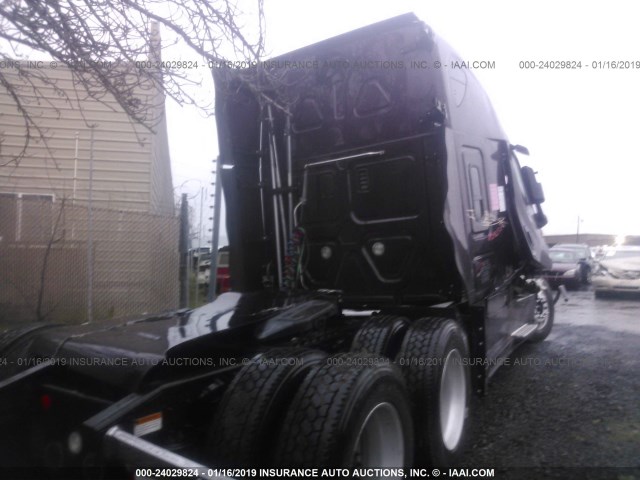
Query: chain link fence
x: 60, y: 262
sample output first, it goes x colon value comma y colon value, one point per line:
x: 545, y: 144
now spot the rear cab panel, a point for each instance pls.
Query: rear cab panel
x: 406, y: 187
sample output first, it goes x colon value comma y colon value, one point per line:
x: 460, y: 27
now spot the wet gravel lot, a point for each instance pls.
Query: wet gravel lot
x: 568, y: 407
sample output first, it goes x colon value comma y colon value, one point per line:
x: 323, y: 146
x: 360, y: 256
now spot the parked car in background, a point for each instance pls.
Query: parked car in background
x: 585, y: 257
x: 618, y: 272
x: 599, y: 253
x: 204, y: 273
x: 223, y: 278
x: 567, y: 268
x: 199, y: 255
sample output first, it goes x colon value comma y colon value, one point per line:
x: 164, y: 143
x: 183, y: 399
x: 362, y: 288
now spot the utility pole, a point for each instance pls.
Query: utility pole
x: 75, y: 182
x: 184, y: 252
x: 90, y: 234
x: 217, y: 196
x: 195, y: 301
x: 578, y: 230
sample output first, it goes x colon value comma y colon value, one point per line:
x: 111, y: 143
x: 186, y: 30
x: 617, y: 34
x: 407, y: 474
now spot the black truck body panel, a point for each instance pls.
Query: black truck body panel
x: 383, y: 147
x: 367, y: 172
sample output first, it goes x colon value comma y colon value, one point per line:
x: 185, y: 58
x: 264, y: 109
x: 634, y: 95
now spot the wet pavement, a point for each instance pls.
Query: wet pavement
x: 620, y: 314
x: 568, y: 407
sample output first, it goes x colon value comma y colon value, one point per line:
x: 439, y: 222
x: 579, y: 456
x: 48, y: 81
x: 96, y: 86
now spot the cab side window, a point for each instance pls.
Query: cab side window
x: 478, y: 208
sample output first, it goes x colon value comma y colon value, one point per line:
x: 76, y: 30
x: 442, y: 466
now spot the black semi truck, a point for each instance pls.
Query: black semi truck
x: 386, y: 256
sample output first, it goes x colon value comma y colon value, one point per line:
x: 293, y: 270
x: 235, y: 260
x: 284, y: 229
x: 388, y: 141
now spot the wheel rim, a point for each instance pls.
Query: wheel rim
x: 542, y: 310
x: 380, y: 441
x: 453, y: 399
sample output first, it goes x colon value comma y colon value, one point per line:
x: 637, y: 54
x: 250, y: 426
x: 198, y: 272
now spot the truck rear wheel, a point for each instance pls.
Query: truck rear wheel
x: 433, y: 357
x: 254, y: 404
x: 380, y: 335
x: 349, y: 413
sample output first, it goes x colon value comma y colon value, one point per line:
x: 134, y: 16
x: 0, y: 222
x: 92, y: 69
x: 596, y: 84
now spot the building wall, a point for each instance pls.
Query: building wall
x: 131, y: 166
x: 56, y: 271
x: 59, y: 259
x: 162, y: 201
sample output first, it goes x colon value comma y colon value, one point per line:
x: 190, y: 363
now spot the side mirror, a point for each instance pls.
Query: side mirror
x: 520, y: 149
x: 533, y: 187
x: 540, y: 218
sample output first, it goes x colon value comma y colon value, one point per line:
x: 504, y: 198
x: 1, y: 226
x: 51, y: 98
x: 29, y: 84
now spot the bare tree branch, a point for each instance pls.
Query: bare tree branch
x: 108, y: 47
x: 40, y: 315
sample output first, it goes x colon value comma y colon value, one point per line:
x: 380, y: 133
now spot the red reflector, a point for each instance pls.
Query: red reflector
x: 45, y: 402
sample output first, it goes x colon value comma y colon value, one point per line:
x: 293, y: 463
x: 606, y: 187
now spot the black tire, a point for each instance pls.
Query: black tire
x: 431, y: 346
x: 253, y: 406
x: 380, y: 335
x: 544, y: 306
x: 325, y: 425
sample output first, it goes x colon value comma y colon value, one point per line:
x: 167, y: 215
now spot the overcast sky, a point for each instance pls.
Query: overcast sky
x: 579, y: 125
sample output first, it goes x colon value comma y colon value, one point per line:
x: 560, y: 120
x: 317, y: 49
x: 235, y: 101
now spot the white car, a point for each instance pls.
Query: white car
x: 618, y: 271
x: 204, y: 273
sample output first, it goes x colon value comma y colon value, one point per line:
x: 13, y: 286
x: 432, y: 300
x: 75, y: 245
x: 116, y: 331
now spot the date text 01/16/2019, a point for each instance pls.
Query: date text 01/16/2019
x: 579, y: 65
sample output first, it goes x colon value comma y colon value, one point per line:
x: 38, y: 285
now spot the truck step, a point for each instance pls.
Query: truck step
x: 524, y: 330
